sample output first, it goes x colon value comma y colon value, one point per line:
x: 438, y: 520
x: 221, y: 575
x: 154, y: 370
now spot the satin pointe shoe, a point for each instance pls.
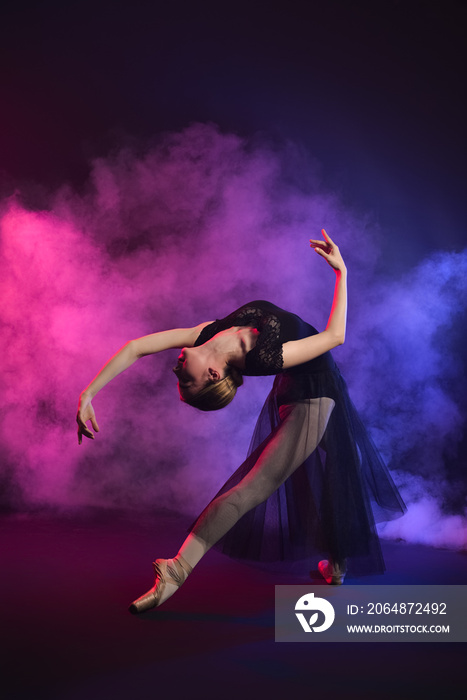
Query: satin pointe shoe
x: 174, y: 574
x: 333, y: 574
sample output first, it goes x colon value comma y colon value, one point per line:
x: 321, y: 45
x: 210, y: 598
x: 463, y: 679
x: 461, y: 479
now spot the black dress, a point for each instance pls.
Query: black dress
x: 329, y: 505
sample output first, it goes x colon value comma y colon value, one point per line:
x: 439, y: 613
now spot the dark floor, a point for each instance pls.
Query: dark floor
x: 66, y: 634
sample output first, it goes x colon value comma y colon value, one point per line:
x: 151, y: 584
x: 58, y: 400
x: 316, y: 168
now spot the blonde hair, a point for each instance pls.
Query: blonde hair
x: 218, y: 394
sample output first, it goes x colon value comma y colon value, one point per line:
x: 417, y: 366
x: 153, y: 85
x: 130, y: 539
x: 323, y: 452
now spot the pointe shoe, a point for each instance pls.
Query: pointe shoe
x: 333, y: 574
x: 175, y: 575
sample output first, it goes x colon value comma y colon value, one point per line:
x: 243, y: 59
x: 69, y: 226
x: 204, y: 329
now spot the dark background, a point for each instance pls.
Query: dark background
x: 374, y: 90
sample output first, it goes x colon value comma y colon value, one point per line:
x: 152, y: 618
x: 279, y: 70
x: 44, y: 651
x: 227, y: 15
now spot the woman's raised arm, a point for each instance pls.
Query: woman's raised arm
x: 124, y: 358
x: 296, y: 352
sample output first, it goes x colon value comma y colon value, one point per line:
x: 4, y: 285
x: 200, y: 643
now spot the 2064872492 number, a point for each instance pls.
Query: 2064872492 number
x: 406, y: 608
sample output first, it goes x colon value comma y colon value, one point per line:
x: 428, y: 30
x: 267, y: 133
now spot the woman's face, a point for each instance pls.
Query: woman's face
x: 192, y: 372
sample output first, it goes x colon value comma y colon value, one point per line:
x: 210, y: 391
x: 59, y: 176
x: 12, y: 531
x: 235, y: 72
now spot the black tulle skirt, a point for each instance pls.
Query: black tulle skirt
x: 329, y: 505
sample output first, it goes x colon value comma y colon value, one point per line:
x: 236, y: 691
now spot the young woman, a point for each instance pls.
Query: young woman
x: 313, y: 480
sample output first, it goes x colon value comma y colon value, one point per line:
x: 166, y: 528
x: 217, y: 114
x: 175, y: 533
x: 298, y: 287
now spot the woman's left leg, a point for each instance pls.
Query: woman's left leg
x: 301, y: 429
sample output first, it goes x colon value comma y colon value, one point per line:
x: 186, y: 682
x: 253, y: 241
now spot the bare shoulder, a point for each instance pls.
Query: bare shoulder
x: 195, y: 331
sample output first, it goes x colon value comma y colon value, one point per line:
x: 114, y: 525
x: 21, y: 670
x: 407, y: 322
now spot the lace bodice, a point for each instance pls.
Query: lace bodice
x: 275, y: 327
x: 266, y: 356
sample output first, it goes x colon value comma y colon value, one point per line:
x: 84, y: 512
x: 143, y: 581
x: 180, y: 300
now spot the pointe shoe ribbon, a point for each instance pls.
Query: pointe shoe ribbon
x: 165, y: 573
x: 333, y: 574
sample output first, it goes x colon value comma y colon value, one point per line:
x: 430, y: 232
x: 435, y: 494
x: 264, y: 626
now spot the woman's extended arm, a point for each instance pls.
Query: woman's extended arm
x: 124, y: 358
x: 296, y: 352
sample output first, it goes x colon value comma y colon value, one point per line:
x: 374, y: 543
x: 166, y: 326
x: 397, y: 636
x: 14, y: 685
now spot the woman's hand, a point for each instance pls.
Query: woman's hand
x: 329, y: 251
x: 85, y: 413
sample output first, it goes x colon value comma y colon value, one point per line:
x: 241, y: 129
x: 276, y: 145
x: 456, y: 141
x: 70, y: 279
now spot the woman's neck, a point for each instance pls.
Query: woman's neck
x: 233, y: 344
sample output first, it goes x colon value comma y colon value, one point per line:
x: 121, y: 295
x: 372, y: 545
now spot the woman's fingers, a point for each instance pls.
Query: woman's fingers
x: 323, y: 253
x: 320, y: 245
x: 328, y: 250
x: 85, y: 414
x: 328, y: 238
x: 84, y: 430
x: 85, y: 433
x: 327, y: 245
